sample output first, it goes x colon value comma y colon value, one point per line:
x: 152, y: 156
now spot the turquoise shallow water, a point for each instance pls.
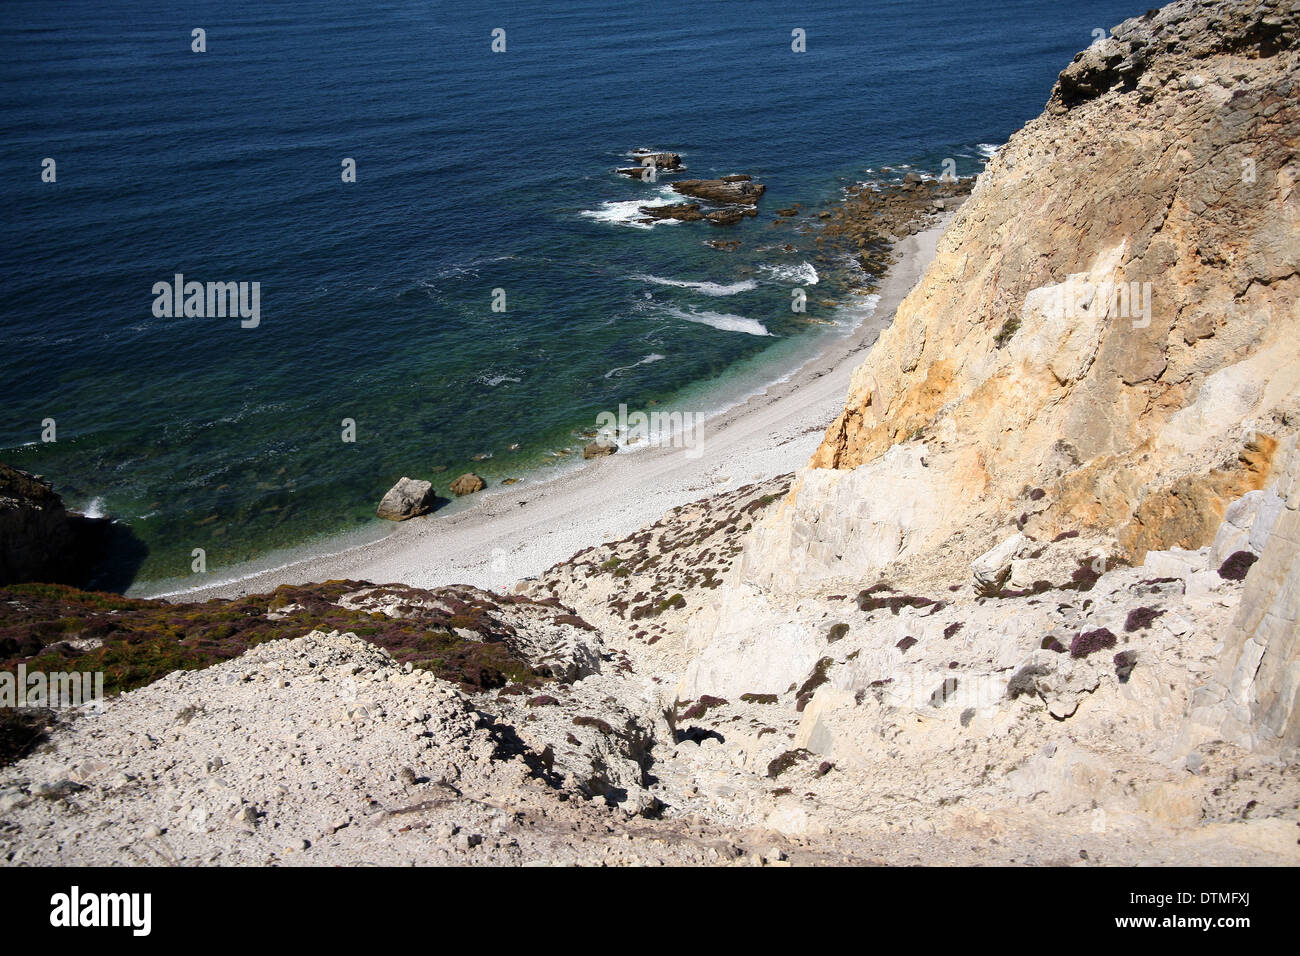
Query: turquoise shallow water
x: 476, y: 171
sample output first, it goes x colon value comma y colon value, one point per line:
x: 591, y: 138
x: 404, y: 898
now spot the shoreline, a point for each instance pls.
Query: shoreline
x: 511, y: 533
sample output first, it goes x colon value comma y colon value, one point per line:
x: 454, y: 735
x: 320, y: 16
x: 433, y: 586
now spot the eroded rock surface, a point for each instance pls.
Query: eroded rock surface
x: 1137, y: 365
x: 737, y: 190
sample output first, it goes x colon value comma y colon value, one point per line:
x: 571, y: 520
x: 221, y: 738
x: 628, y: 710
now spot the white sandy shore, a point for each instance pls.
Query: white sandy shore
x: 519, y: 531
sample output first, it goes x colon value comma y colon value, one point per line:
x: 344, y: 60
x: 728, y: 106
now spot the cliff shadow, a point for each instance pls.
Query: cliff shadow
x: 109, y: 554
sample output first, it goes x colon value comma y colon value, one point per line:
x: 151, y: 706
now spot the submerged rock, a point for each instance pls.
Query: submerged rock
x: 467, y: 484
x: 730, y: 216
x: 599, y: 449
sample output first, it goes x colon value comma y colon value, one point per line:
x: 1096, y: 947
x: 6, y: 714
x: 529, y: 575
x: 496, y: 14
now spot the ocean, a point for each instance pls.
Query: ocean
x: 482, y: 178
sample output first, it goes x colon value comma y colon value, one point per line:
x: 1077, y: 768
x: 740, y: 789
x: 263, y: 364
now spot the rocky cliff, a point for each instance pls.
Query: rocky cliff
x: 1254, y: 697
x: 1073, y: 438
x: 1111, y: 322
x: 39, y: 539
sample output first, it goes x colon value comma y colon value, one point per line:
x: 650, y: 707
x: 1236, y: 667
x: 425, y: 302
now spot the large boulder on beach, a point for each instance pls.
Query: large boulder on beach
x: 728, y: 191
x: 409, y: 498
x: 467, y: 484
x: 599, y: 449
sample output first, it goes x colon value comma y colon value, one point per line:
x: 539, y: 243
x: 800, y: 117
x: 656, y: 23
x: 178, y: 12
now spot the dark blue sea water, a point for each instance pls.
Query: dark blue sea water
x: 475, y: 171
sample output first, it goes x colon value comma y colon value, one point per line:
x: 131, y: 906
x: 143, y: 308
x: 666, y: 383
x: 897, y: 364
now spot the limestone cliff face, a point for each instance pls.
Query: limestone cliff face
x: 1103, y: 357
x: 1254, y: 696
x: 1112, y: 318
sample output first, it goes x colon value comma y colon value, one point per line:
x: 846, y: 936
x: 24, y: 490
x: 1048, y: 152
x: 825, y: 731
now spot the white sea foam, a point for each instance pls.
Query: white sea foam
x: 852, y: 314
x: 628, y: 212
x: 802, y: 274
x: 721, y: 321
x: 471, y: 266
x: 493, y: 379
x: 623, y: 214
x: 708, y: 288
x: 652, y: 357
x: 95, y: 509
x: 987, y: 150
x: 435, y: 285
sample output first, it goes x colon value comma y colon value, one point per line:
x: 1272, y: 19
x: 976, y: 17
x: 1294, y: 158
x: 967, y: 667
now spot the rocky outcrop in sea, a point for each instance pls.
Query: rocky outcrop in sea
x: 40, y: 540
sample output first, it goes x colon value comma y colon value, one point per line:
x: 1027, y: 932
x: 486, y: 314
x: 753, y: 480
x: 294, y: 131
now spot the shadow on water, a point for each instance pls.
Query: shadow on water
x: 110, y: 554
